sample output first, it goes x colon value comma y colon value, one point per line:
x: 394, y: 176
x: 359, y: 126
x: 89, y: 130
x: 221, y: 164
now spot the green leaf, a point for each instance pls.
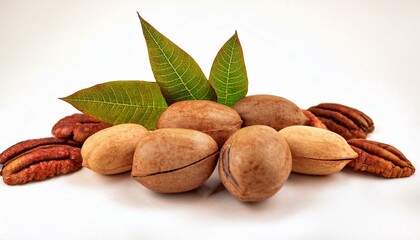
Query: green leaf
x: 177, y: 73
x: 228, y: 74
x: 119, y: 102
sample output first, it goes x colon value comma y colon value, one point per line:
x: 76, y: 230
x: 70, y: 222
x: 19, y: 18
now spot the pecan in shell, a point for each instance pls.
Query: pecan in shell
x: 39, y: 159
x: 380, y: 159
x: 346, y: 121
x: 78, y: 127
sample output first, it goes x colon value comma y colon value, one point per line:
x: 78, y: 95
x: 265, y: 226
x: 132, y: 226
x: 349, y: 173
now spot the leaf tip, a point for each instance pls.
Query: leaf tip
x: 235, y: 36
x: 144, y: 24
x: 142, y: 21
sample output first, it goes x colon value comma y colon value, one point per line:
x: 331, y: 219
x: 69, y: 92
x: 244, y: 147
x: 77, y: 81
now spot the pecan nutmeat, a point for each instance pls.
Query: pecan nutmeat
x: 346, y: 121
x: 313, y: 121
x: 39, y: 159
x: 78, y: 127
x: 380, y: 159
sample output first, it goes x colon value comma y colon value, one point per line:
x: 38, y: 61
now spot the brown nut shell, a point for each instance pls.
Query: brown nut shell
x: 111, y: 150
x: 274, y: 111
x: 215, y: 119
x: 172, y: 160
x: 317, y: 167
x: 254, y: 163
x: 317, y: 151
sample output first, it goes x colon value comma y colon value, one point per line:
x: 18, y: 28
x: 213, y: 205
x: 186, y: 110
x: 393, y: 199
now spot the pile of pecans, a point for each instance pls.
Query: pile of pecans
x: 44, y: 158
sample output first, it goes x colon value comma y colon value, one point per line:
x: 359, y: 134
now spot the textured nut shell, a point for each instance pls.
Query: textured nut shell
x: 111, y: 150
x: 215, y: 119
x: 317, y: 167
x: 254, y: 163
x: 173, y: 160
x: 317, y: 143
x: 273, y: 111
x: 317, y: 151
x: 184, y: 179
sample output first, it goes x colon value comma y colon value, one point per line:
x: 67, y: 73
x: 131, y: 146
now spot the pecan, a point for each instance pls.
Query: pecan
x: 78, y: 127
x: 380, y: 159
x: 39, y: 159
x: 346, y: 121
x: 313, y: 121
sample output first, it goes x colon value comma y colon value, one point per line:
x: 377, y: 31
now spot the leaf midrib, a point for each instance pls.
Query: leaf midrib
x: 167, y: 59
x: 113, y: 103
x: 228, y: 73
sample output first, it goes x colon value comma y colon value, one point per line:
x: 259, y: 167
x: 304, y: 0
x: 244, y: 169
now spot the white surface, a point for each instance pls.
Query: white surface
x: 365, y: 54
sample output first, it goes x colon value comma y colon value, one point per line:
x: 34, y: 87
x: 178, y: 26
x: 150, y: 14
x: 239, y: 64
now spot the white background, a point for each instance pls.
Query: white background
x: 365, y: 54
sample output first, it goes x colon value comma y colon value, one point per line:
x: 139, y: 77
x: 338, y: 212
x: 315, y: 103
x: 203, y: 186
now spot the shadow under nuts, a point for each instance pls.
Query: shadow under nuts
x: 317, y: 151
x: 174, y: 160
x: 254, y: 163
x: 215, y: 119
x: 111, y: 150
x: 269, y: 110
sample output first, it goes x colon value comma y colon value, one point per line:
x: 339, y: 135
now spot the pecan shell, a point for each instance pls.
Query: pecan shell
x: 39, y: 159
x: 380, y: 159
x: 78, y: 127
x: 346, y: 121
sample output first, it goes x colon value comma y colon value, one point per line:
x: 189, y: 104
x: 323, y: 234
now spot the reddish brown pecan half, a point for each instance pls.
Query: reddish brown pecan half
x: 39, y: 159
x: 313, y: 120
x: 78, y: 127
x: 346, y: 121
x: 380, y: 159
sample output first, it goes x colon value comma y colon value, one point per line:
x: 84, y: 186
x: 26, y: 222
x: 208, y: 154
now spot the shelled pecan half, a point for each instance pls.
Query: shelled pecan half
x: 313, y: 121
x: 380, y: 159
x: 346, y: 121
x: 39, y: 159
x: 78, y: 127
